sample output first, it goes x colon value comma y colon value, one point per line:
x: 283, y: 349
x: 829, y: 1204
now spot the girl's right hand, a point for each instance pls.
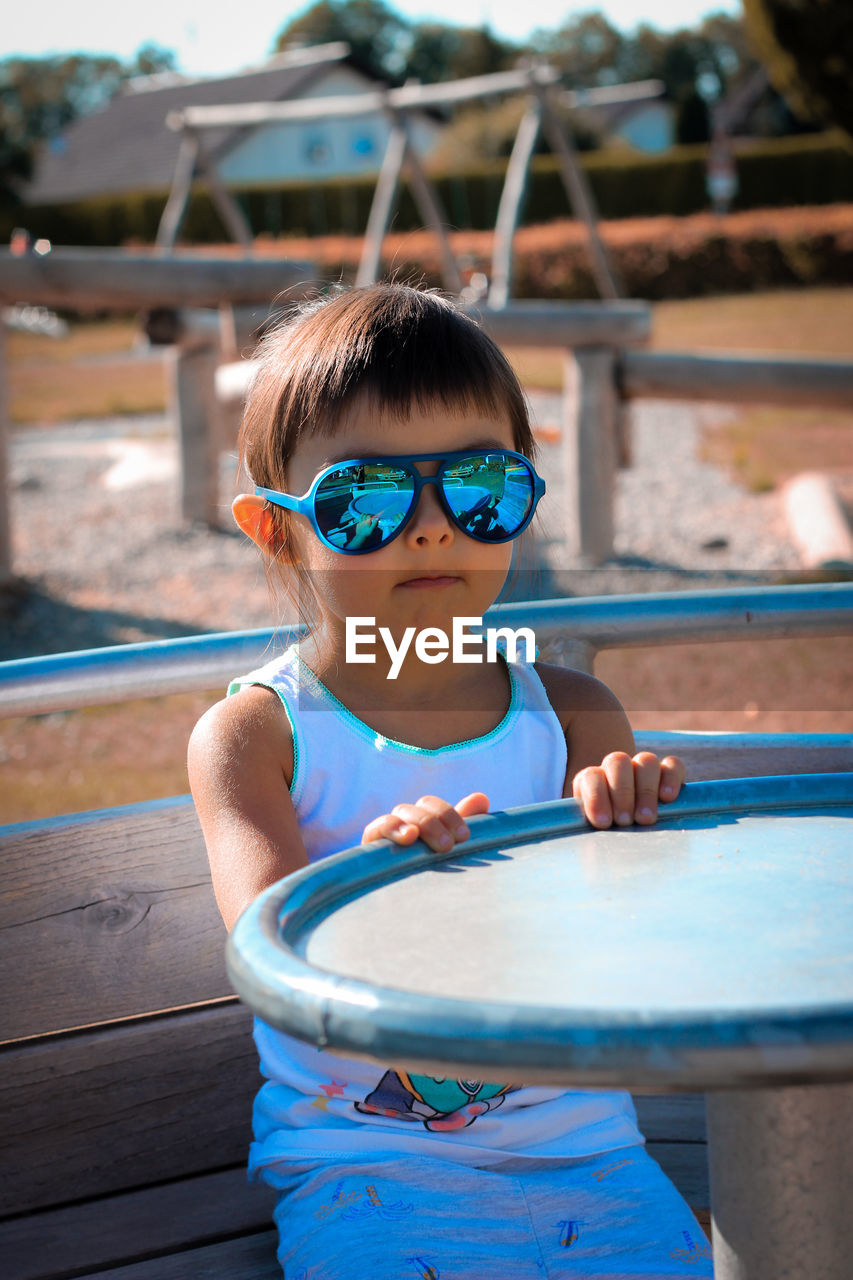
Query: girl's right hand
x: 440, y: 825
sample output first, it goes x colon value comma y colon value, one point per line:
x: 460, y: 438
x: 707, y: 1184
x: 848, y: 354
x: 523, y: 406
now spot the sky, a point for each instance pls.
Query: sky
x: 207, y: 42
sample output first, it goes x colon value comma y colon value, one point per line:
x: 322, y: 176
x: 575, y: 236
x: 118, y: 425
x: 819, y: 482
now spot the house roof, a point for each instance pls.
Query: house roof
x: 128, y: 147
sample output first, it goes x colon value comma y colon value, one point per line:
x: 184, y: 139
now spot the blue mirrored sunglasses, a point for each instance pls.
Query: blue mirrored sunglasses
x: 360, y: 505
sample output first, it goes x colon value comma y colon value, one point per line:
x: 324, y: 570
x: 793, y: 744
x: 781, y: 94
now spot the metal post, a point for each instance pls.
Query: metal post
x: 781, y: 1163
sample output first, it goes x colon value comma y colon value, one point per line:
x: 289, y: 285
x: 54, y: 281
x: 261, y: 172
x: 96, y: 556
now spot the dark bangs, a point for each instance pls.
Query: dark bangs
x: 401, y: 347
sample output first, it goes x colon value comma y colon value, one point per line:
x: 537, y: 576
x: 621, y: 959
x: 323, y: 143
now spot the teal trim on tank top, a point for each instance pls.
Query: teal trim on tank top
x: 374, y: 736
x: 236, y: 685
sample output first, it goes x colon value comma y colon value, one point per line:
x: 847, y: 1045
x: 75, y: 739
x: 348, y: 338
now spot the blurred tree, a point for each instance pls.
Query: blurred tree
x: 439, y: 51
x: 586, y: 48
x: 377, y: 36
x: 707, y: 60
x: 40, y: 96
x: 806, y: 47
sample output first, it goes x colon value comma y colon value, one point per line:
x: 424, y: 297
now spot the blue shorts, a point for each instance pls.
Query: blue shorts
x: 606, y: 1216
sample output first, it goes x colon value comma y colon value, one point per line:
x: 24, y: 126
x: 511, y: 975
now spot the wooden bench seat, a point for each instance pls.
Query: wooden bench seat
x: 127, y: 1069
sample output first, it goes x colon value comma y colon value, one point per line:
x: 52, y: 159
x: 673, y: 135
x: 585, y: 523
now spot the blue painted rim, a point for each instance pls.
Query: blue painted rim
x: 357, y: 1018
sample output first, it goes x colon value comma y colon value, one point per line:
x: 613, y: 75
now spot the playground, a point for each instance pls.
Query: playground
x: 684, y: 557
x: 92, y: 438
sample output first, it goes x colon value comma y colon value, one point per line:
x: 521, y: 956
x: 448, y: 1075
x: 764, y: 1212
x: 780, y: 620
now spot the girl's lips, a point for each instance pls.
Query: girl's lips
x: 430, y: 582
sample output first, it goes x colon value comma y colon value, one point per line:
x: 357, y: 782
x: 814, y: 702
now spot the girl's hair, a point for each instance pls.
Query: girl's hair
x: 401, y: 347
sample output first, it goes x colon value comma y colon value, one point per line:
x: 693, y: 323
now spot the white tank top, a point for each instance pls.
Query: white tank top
x: 317, y: 1105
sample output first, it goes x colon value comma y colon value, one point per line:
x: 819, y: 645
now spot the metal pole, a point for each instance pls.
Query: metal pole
x: 781, y: 1163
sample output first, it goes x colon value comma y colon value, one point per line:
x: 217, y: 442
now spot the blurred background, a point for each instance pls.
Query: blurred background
x: 718, y: 148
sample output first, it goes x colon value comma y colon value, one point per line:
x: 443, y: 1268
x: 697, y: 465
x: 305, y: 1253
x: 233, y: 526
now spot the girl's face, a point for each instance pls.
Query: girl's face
x: 431, y: 572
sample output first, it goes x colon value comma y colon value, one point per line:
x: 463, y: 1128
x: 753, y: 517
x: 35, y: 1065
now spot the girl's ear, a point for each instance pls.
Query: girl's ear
x: 257, y: 521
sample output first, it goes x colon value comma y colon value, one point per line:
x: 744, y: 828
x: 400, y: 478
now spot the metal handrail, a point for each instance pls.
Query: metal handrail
x: 570, y: 631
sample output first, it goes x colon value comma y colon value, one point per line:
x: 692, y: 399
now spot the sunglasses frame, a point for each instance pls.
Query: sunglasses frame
x: 305, y: 505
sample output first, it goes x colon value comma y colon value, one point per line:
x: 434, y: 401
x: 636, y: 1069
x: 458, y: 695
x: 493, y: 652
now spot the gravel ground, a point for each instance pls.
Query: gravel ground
x: 104, y: 559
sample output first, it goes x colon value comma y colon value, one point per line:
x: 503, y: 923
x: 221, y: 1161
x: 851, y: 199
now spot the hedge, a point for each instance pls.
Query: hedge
x: 661, y: 257
x: 804, y: 170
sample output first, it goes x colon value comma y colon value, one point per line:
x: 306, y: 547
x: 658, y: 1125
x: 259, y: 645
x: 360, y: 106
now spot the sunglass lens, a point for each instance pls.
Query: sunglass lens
x: 489, y: 494
x: 360, y: 507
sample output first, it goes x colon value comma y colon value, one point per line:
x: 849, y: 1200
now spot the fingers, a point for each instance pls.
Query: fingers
x: 646, y: 787
x: 672, y: 775
x: 625, y: 789
x: 473, y: 804
x: 434, y: 821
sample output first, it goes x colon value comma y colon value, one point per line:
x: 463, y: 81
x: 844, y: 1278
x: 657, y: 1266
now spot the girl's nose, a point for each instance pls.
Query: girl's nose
x: 429, y: 523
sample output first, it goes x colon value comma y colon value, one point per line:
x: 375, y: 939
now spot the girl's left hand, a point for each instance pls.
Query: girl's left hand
x: 625, y: 789
x: 435, y: 821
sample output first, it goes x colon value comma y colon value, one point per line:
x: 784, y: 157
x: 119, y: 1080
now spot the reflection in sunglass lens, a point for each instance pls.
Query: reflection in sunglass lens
x: 489, y: 494
x: 360, y: 507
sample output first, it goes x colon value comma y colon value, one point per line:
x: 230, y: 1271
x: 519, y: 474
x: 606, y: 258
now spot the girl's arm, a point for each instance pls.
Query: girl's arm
x: 240, y: 765
x: 603, y: 773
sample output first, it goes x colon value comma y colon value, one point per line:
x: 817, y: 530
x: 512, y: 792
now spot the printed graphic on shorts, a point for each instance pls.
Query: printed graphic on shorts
x: 569, y: 1230
x: 438, y: 1103
x: 340, y: 1198
x: 694, y: 1250
x: 601, y: 1174
x: 425, y: 1268
x: 371, y: 1205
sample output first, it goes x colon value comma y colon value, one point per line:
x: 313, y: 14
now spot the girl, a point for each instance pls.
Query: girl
x: 389, y: 446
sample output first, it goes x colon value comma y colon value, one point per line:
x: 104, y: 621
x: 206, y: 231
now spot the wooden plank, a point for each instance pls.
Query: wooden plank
x: 107, y: 917
x: 252, y: 114
x: 567, y: 324
x: 116, y: 279
x: 685, y: 1164
x: 509, y: 208
x: 101, y: 1111
x: 676, y: 375
x: 588, y: 451
x: 173, y: 214
x: 383, y: 202
x: 250, y: 1257
x: 114, y: 1231
x: 227, y: 207
x: 429, y: 205
x: 6, y: 574
x: 200, y: 431
x: 671, y: 1117
x: 581, y: 198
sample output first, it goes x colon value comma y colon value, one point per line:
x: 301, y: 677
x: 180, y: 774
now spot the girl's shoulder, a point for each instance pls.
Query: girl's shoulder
x: 243, y: 729
x: 575, y: 693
